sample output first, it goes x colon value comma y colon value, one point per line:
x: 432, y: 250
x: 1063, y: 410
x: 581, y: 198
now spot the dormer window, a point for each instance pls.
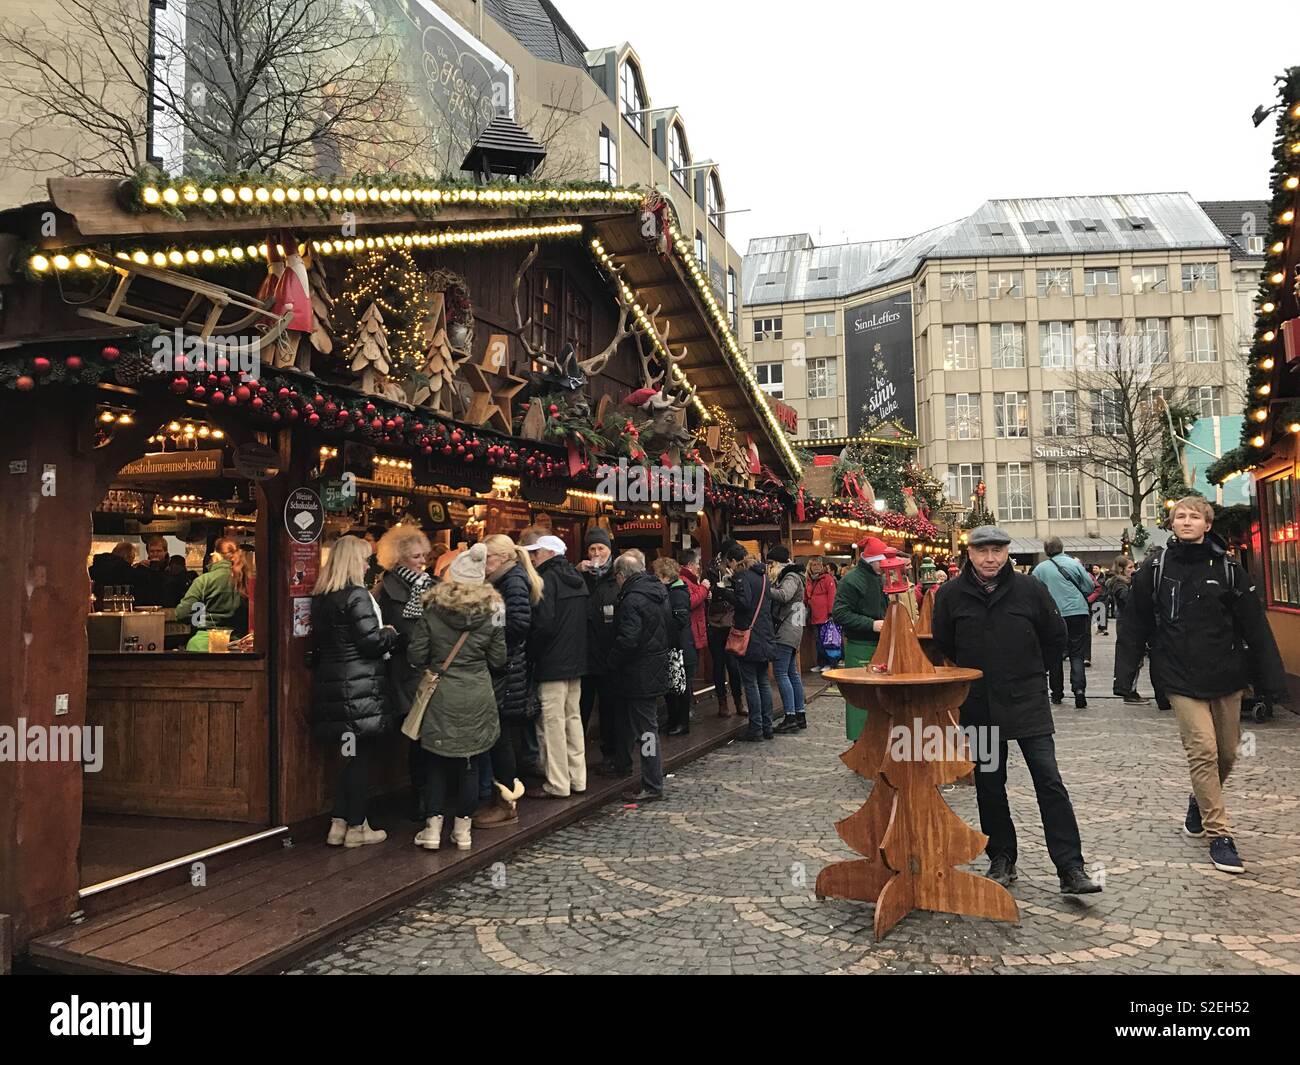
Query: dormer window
x: 679, y: 155
x: 716, y: 201
x: 633, y: 97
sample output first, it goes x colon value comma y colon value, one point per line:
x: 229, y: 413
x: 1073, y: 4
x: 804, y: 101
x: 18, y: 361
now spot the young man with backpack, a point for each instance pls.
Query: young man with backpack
x: 1210, y: 640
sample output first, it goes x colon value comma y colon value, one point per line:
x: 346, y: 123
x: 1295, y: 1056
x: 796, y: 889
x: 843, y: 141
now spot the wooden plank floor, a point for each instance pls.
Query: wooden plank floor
x: 262, y: 914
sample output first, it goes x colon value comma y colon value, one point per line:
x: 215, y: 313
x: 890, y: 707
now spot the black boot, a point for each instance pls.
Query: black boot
x: 791, y: 723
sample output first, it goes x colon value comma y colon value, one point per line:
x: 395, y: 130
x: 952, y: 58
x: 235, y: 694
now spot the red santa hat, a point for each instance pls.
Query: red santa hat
x: 873, y: 549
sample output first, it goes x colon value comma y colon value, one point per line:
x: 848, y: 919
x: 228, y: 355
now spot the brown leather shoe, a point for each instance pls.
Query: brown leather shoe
x: 498, y: 815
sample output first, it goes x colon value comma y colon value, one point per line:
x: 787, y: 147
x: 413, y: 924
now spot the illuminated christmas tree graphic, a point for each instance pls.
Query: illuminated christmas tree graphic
x: 882, y: 393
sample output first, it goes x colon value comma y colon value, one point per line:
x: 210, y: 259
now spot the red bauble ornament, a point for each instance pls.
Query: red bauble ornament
x: 180, y: 385
x: 460, y: 449
x: 377, y: 424
x: 223, y: 364
x: 25, y: 383
x: 257, y: 403
x: 41, y: 364
x: 457, y: 436
x: 318, y: 399
x: 446, y: 449
x: 427, y: 449
x: 313, y: 418
x: 293, y: 414
x: 73, y: 362
x: 390, y: 425
x: 243, y: 394
x: 554, y: 409
x: 275, y: 415
x: 370, y: 408
x: 283, y: 392
x: 212, y: 379
x: 225, y: 380
x: 469, y: 457
x: 200, y: 391
x: 218, y: 397
x: 110, y: 354
x: 331, y: 409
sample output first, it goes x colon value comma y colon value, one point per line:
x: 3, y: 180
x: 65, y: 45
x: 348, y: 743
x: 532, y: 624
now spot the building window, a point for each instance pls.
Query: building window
x: 577, y: 321
x: 1010, y: 415
x: 1008, y: 339
x: 546, y: 294
x: 1101, y: 281
x: 1056, y: 345
x: 1206, y: 400
x: 921, y: 292
x: 1015, y: 491
x: 963, y: 415
x: 823, y: 320
x: 701, y: 250
x: 823, y: 428
x: 771, y: 378
x: 1206, y: 275
x: 822, y: 379
x: 678, y: 155
x: 1112, y: 498
x: 1254, y: 246
x: 732, y: 308
x: 633, y: 98
x: 1107, y: 412
x: 1150, y: 279
x: 1280, y: 526
x: 767, y: 328
x: 960, y: 347
x: 1201, y: 339
x: 1058, y: 281
x: 962, y: 281
x: 1063, y: 499
x: 1102, y: 346
x: 962, y: 480
x: 1006, y: 284
x: 715, y: 202
x: 1155, y: 340
x: 1060, y: 414
x: 608, y: 157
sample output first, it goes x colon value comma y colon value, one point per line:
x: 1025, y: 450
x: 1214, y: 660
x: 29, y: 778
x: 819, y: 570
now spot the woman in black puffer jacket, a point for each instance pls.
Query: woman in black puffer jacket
x: 350, y: 698
x: 510, y: 571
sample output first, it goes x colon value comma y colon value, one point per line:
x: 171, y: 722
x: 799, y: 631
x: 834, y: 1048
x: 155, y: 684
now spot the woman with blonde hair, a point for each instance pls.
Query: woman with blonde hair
x: 403, y: 553
x: 350, y: 701
x: 510, y: 571
x: 219, y: 598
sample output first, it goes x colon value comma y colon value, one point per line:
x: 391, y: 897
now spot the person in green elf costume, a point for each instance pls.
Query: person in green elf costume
x: 860, y: 611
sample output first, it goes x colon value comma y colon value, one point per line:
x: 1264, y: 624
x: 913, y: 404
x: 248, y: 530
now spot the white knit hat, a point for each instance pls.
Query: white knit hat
x: 470, y: 566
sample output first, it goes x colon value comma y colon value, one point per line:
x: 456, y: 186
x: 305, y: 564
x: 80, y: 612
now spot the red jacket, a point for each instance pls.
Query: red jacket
x: 699, y: 598
x: 821, y: 598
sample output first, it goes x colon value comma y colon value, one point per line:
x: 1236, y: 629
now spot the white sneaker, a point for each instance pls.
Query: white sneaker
x: 363, y: 834
x: 430, y: 836
x: 338, y: 832
x: 460, y: 832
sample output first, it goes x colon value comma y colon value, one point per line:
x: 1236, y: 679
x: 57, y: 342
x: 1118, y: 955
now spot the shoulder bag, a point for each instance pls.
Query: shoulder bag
x: 424, y: 692
x: 738, y: 639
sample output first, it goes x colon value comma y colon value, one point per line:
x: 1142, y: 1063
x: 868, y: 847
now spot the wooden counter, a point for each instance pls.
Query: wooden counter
x: 185, y: 735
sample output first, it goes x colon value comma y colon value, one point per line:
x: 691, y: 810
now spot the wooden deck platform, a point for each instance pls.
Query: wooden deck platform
x: 262, y: 914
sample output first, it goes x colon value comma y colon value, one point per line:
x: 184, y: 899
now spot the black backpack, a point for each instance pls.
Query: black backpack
x: 1158, y: 564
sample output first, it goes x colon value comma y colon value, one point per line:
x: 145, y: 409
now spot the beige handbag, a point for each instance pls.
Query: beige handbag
x: 424, y: 692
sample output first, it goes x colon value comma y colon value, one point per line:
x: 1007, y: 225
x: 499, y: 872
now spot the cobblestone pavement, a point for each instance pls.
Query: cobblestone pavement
x: 719, y: 878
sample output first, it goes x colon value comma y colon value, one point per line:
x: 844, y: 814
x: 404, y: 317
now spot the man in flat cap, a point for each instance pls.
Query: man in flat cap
x: 1006, y: 625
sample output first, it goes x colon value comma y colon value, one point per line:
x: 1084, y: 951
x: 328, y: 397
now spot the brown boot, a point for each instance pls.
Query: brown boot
x: 498, y: 815
x: 724, y: 710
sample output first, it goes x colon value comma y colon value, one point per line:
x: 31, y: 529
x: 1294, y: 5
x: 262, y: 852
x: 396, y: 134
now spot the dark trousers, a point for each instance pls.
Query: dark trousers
x: 600, y: 693
x: 758, y: 696
x: 460, y: 775
x: 1059, y: 826
x: 501, y: 758
x: 725, y: 666
x: 353, y: 785
x: 679, y: 706
x: 640, y: 732
x: 415, y: 765
x: 1077, y: 628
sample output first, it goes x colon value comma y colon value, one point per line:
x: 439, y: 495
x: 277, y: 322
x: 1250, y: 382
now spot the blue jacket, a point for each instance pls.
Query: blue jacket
x: 1069, y: 584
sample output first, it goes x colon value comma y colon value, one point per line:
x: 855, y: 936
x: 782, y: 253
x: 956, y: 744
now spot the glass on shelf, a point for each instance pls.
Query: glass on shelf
x: 219, y: 641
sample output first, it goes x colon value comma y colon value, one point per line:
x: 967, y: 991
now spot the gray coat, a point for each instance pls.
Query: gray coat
x: 789, y: 612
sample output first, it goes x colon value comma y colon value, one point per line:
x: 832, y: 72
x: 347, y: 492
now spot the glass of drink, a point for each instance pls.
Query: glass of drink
x: 219, y: 641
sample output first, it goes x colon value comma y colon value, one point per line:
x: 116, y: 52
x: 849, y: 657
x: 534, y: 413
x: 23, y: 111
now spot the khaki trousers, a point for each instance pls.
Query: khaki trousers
x: 1211, y: 733
x: 559, y: 732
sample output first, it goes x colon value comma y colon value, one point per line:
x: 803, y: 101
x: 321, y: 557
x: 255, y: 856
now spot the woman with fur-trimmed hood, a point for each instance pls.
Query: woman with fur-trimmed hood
x: 461, y: 720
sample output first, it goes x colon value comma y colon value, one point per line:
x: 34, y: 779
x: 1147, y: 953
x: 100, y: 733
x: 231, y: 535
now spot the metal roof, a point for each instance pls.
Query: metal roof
x: 791, y: 269
x: 539, y: 27
x: 1072, y: 545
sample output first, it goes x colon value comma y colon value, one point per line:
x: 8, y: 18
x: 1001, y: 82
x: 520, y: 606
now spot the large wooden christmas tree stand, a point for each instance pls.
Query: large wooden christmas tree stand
x: 910, y: 837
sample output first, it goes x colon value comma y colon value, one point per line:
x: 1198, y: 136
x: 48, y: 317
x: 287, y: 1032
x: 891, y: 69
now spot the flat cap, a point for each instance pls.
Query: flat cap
x: 990, y: 535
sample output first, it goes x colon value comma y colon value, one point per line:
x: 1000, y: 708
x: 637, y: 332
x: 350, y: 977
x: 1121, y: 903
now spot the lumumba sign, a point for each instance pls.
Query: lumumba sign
x: 880, y: 364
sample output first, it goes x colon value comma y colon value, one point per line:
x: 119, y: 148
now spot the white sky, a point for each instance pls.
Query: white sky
x: 863, y: 121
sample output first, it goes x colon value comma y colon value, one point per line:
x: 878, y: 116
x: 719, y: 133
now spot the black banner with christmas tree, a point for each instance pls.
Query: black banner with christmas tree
x: 880, y: 367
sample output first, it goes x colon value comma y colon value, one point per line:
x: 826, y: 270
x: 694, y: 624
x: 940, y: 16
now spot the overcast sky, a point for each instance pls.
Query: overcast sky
x: 856, y: 121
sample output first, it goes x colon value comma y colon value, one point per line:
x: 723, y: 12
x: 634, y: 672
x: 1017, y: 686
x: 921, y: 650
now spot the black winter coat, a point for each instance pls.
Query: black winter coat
x: 679, y: 602
x: 603, y: 589
x: 748, y: 586
x: 1011, y: 636
x: 511, y: 683
x: 1206, y: 641
x: 557, y: 644
x: 402, y: 678
x: 349, y: 674
x: 642, y: 637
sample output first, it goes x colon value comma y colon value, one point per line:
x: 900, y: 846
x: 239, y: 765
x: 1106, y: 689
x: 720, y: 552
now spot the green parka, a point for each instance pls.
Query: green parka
x: 860, y: 601
x: 461, y: 719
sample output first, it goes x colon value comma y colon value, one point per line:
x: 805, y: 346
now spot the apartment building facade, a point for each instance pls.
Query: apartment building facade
x: 992, y: 318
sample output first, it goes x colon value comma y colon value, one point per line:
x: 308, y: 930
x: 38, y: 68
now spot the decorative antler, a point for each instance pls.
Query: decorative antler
x: 663, y: 380
x: 525, y: 325
x: 596, y: 363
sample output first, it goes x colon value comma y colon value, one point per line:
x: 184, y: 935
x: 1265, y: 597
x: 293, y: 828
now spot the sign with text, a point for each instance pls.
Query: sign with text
x: 304, y: 567
x: 786, y: 415
x: 173, y: 465
x: 304, y: 517
x: 880, y: 364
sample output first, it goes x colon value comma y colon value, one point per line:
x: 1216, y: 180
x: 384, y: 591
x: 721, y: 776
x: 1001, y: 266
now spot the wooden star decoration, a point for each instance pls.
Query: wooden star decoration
x: 493, y: 393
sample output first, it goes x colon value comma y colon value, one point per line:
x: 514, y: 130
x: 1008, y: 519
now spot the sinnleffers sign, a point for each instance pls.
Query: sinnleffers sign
x: 880, y: 366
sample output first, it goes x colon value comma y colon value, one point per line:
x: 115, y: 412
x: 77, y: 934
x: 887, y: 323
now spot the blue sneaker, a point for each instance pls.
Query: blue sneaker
x: 1223, y: 853
x: 1192, y: 826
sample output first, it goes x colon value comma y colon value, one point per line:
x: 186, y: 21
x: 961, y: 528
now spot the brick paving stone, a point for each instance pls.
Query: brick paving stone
x: 719, y: 878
